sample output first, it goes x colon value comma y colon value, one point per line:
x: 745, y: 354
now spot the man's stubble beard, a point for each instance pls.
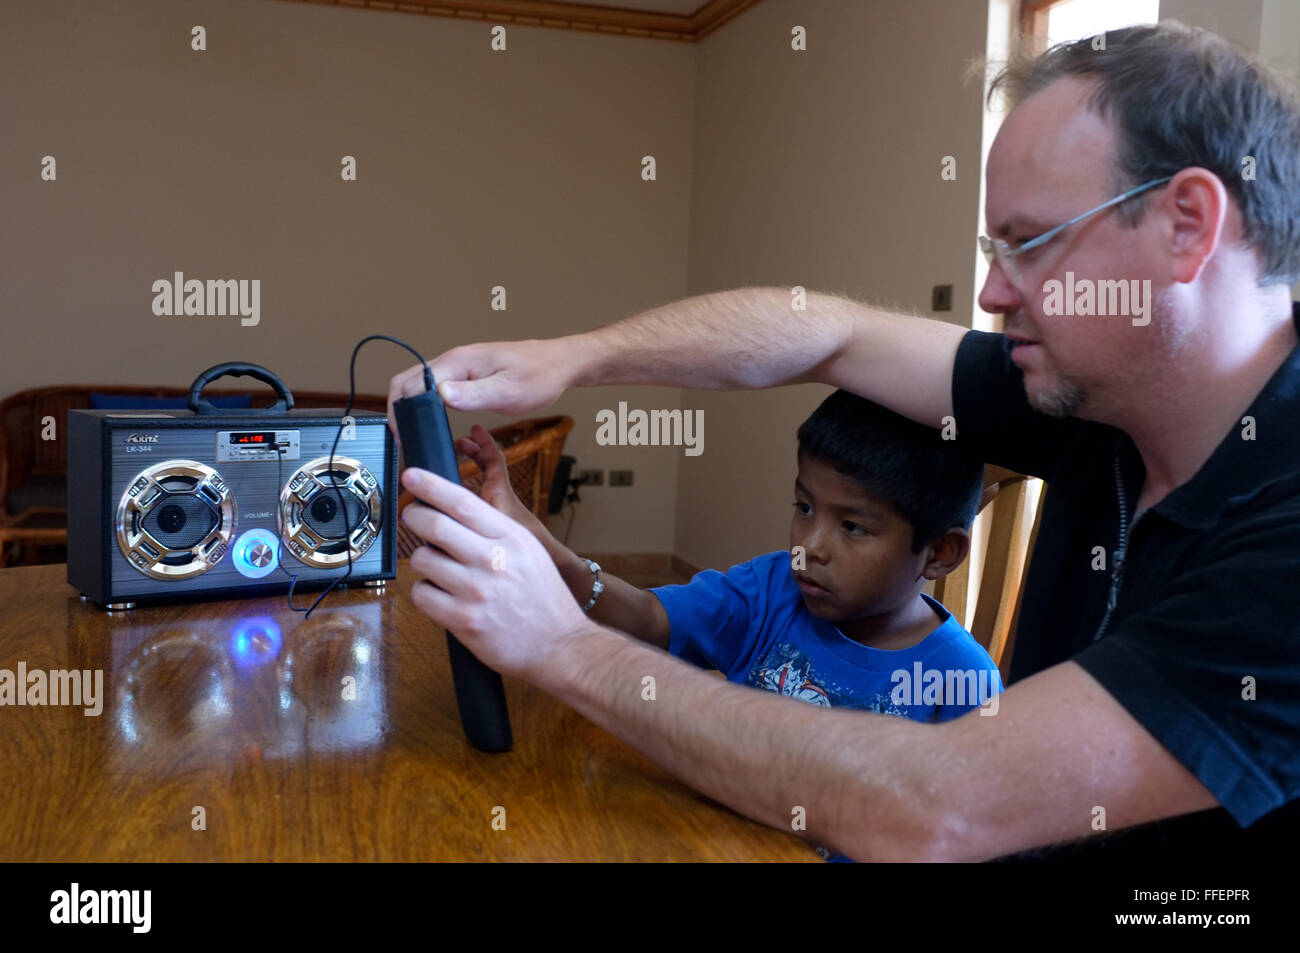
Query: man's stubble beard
x: 1064, y: 396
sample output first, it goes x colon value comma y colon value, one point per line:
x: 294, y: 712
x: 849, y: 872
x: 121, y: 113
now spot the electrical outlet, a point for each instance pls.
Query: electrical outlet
x: 590, y: 477
x: 941, y: 298
x: 620, y: 477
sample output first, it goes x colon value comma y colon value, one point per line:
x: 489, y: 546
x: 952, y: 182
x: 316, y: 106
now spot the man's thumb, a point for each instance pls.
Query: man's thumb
x: 488, y: 393
x: 455, y: 394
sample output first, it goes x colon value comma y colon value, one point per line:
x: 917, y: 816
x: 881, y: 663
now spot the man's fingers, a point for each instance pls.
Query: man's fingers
x: 458, y: 364
x: 441, y: 570
x: 443, y: 531
x: 463, y: 371
x: 436, y: 604
x: 457, y: 502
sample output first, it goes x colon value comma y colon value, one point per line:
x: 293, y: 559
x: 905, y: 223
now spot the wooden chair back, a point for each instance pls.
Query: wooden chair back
x: 1005, y: 564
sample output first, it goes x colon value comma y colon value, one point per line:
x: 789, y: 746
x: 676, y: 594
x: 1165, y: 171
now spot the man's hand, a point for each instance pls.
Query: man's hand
x: 483, y: 450
x: 624, y: 607
x: 511, y: 377
x: 491, y: 583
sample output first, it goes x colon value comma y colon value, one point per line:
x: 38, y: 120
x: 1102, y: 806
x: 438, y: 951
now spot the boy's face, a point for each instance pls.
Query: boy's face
x: 857, y: 551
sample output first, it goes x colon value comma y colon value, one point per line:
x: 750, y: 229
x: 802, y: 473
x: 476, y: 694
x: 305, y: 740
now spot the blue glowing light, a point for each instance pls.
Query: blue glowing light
x: 255, y: 553
x: 255, y: 641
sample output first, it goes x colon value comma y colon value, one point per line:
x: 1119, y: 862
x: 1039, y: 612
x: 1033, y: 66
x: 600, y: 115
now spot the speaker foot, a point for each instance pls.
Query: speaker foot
x: 375, y: 583
x: 119, y: 606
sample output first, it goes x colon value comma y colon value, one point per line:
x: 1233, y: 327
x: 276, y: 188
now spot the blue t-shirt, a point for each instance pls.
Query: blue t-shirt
x: 751, y: 624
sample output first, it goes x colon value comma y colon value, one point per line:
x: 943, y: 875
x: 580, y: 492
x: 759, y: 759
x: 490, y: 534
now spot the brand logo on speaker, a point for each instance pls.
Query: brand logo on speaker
x: 140, y: 442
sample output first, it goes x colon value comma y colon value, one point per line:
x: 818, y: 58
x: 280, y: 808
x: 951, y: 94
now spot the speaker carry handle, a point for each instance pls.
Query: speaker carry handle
x: 239, y: 369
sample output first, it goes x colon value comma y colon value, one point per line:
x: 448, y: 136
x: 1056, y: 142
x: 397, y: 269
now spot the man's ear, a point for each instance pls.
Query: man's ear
x: 946, y: 553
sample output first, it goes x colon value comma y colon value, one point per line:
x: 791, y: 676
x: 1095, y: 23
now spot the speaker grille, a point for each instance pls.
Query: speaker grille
x: 175, y: 519
x: 313, y: 524
x: 180, y: 519
x: 323, y: 515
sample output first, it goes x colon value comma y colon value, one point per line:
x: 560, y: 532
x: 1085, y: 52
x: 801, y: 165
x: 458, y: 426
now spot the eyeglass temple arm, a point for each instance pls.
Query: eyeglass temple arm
x: 1047, y: 236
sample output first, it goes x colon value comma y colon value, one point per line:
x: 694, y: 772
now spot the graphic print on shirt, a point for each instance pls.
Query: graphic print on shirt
x: 788, y: 671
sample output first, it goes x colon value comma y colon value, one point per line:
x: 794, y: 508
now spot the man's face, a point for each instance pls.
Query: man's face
x: 1053, y: 160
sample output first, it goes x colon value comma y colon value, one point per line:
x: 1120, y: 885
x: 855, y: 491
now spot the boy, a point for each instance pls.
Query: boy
x: 881, y: 505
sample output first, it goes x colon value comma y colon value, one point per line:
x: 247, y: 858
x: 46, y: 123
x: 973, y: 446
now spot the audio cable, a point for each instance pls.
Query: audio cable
x: 348, y: 528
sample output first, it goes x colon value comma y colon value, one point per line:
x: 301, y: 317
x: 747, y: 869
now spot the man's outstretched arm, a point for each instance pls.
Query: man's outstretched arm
x: 742, y: 339
x: 876, y: 787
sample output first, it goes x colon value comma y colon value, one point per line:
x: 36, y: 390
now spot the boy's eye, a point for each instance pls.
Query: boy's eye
x: 801, y: 506
x: 854, y: 529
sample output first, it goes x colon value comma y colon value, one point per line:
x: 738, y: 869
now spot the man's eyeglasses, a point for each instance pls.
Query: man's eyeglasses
x: 996, y: 249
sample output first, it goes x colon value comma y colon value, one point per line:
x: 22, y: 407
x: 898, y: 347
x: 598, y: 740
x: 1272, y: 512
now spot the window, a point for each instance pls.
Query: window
x: 1044, y: 23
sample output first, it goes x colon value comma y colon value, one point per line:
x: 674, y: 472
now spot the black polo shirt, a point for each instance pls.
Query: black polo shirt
x: 1188, y: 613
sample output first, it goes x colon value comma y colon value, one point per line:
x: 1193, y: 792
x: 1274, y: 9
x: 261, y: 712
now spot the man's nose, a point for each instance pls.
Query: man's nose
x: 999, y: 295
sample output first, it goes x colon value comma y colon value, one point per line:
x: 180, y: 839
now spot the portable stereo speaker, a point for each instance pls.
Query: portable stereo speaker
x: 205, y: 503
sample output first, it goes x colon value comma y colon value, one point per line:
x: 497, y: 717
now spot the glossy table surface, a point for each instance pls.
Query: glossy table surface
x: 238, y: 730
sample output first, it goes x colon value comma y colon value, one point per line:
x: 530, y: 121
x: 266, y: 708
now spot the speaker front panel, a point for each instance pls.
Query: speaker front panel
x: 205, y: 517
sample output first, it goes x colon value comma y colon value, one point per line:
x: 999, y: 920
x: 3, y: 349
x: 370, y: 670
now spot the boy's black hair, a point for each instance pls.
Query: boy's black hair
x: 928, y: 481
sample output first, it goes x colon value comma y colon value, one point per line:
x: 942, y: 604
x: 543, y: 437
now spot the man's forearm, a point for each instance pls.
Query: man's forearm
x: 855, y: 775
x: 752, y: 338
x: 734, y: 340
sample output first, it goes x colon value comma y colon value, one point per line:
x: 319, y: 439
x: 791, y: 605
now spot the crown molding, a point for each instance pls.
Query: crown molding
x: 566, y: 16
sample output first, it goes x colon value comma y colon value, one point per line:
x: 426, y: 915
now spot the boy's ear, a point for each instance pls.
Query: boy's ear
x: 946, y: 553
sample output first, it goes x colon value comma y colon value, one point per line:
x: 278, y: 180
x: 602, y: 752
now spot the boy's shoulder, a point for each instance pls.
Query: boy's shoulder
x: 951, y: 642
x: 762, y: 587
x: 768, y: 572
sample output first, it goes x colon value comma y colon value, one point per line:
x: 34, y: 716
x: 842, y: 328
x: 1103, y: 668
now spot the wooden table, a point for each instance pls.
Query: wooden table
x: 238, y: 708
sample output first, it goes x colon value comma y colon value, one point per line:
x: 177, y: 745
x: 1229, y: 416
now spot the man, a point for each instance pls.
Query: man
x: 1157, y: 665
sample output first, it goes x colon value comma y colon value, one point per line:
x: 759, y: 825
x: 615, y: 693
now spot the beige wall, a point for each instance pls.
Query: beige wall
x: 475, y: 169
x: 1237, y: 20
x: 821, y: 169
x: 1270, y: 28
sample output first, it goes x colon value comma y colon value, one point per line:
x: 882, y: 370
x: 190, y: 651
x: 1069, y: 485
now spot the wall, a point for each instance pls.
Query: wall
x: 821, y: 168
x: 474, y: 169
x: 1270, y: 28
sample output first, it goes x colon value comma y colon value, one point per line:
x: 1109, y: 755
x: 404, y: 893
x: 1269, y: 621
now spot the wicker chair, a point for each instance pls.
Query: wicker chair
x: 532, y: 451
